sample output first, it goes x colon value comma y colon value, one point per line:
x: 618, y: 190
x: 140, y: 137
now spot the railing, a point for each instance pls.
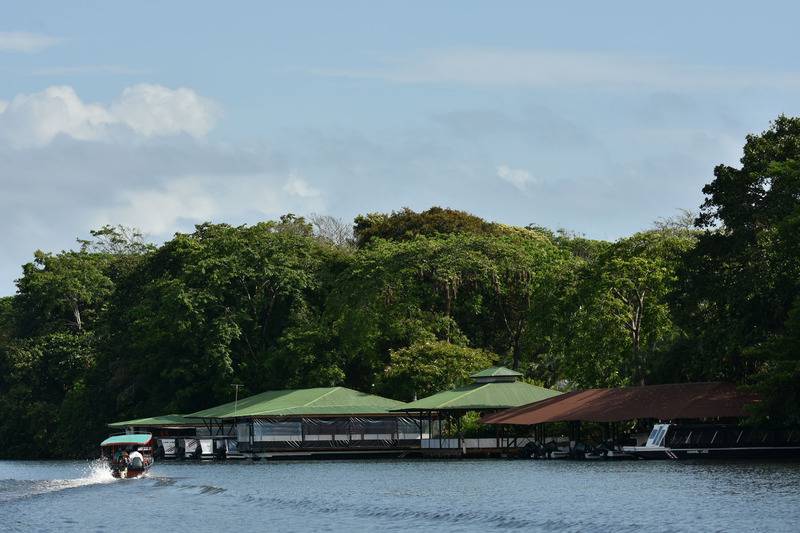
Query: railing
x: 335, y: 436
x: 472, y: 444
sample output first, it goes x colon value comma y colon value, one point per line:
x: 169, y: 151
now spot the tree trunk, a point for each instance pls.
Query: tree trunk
x: 76, y: 312
x: 516, y: 350
x: 637, y: 354
x: 636, y: 333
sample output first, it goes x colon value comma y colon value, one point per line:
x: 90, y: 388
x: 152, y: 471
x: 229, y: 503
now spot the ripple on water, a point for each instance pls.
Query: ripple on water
x: 94, y: 473
x: 417, y: 495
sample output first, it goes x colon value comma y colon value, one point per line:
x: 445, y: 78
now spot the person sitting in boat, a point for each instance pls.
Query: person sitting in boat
x: 136, y: 459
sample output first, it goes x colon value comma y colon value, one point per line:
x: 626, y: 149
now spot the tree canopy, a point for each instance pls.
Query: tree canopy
x: 407, y: 304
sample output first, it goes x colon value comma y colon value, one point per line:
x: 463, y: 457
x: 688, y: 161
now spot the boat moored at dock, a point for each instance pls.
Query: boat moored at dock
x: 688, y: 420
x: 716, y: 441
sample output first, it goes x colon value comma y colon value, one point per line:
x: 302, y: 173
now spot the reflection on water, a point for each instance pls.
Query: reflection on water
x: 405, y: 495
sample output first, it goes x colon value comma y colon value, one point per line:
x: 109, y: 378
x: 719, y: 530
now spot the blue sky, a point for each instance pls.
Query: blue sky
x: 595, y: 117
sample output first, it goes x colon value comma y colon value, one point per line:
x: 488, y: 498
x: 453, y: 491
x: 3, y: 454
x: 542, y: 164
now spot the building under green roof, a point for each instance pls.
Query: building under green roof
x: 156, y: 421
x: 493, y: 388
x: 324, y: 401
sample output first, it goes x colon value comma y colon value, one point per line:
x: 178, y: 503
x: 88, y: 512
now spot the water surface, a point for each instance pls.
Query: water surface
x: 404, y: 495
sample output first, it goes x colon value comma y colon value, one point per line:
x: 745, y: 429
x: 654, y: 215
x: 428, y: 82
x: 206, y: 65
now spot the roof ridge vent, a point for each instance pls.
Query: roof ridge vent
x: 496, y: 374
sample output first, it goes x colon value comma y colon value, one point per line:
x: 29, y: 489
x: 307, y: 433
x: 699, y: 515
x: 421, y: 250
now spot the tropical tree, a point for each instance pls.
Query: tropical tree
x: 61, y: 291
x: 40, y: 372
x: 425, y: 368
x: 739, y: 285
x: 496, y: 293
x: 407, y: 224
x: 211, y: 307
x: 622, y: 319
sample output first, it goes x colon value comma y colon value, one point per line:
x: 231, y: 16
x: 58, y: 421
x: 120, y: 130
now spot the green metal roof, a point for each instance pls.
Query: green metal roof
x: 495, y: 371
x: 482, y: 396
x: 298, y: 402
x: 155, y: 421
x: 132, y: 439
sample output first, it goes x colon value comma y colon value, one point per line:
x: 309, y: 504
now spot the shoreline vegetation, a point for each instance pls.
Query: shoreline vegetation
x: 406, y: 304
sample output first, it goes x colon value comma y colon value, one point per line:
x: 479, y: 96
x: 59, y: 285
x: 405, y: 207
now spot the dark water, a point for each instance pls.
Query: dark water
x: 404, y: 495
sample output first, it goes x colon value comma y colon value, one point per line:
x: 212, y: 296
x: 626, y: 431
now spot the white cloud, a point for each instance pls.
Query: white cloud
x: 156, y: 110
x: 34, y: 119
x: 53, y: 193
x: 297, y: 186
x: 144, y: 110
x: 158, y: 210
x: 3, y: 105
x: 559, y: 69
x: 192, y: 199
x: 20, y: 41
x: 517, y: 177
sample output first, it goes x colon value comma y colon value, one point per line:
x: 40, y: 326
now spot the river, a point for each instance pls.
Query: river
x: 403, y: 495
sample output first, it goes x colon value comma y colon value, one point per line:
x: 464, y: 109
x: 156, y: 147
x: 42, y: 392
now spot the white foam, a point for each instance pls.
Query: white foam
x: 96, y: 472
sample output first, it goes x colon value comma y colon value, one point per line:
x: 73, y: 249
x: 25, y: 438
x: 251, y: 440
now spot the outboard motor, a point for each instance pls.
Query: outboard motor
x: 136, y: 463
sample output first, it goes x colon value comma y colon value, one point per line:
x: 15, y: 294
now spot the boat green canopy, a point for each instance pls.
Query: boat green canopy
x: 493, y: 388
x: 323, y: 401
x: 155, y: 421
x: 132, y: 439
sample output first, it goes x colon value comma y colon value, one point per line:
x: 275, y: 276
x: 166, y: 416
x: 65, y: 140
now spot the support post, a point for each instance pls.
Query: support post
x: 439, y: 417
x: 461, y: 443
x: 302, y: 432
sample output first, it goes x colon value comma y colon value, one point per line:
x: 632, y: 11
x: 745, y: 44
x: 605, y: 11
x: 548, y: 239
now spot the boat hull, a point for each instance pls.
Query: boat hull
x: 766, y: 452
x: 127, y: 473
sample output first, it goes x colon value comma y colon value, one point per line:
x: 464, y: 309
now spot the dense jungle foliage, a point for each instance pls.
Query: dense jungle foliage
x: 406, y: 304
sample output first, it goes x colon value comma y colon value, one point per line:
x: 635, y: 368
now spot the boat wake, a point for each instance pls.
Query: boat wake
x: 96, y: 472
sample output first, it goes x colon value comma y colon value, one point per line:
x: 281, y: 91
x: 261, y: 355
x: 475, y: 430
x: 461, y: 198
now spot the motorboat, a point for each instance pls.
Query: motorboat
x: 129, y: 455
x: 697, y: 441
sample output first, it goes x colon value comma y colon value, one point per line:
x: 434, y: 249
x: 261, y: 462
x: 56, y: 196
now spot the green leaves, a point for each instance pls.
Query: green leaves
x: 737, y: 288
x: 621, y: 318
x: 63, y: 292
x: 40, y: 373
x: 213, y: 306
x: 406, y: 224
x: 497, y: 292
x: 425, y: 368
x: 121, y: 328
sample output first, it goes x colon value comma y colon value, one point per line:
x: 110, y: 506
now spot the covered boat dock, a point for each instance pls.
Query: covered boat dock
x: 319, y: 422
x: 440, y: 416
x: 640, y: 407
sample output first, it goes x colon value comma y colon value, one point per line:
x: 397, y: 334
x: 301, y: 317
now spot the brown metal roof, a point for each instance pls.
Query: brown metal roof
x: 664, y: 402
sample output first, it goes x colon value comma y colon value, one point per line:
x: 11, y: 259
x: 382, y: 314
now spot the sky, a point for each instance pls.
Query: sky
x: 596, y: 117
